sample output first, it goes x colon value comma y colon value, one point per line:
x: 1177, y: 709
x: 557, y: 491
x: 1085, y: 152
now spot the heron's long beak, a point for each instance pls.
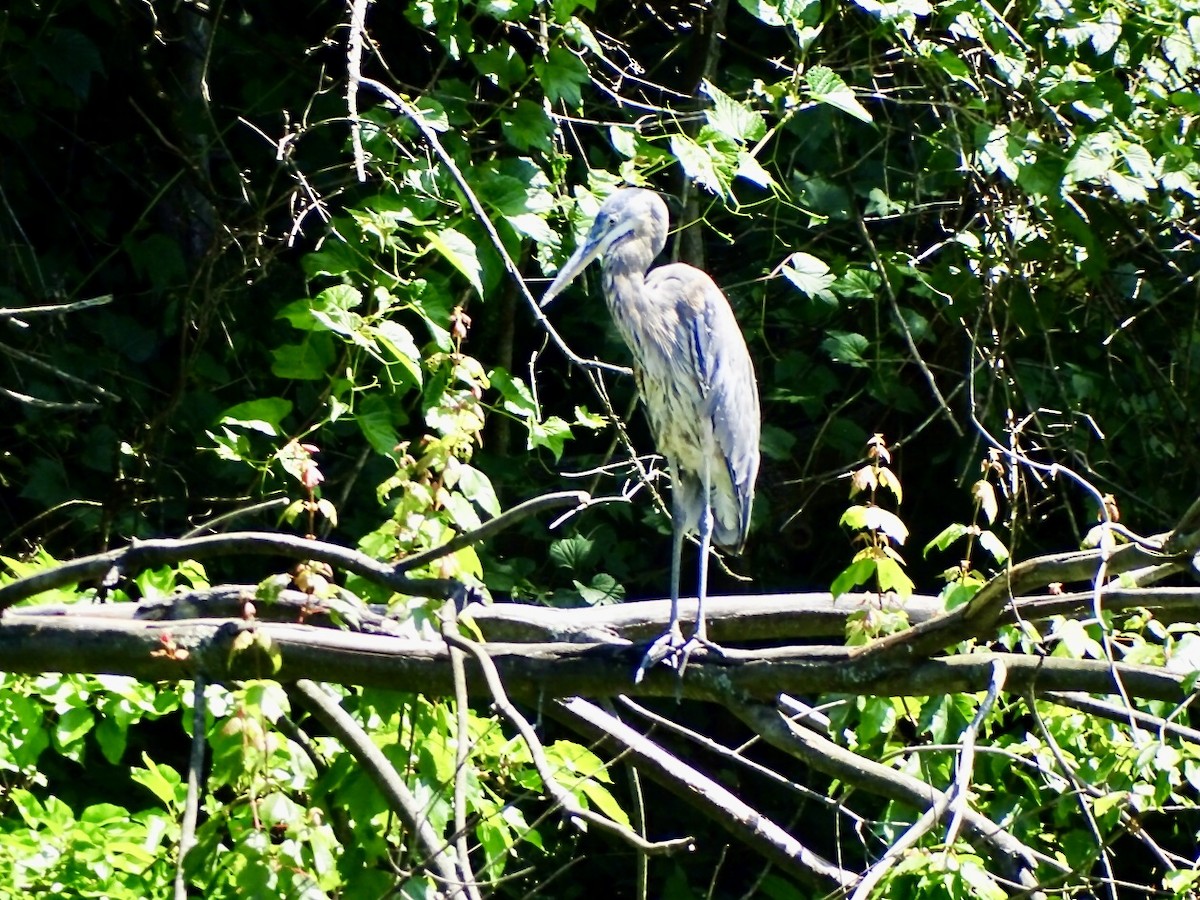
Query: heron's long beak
x: 579, y: 260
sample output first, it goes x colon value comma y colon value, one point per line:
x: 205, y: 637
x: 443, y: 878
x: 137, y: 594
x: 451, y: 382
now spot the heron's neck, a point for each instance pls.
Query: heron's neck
x: 624, y: 271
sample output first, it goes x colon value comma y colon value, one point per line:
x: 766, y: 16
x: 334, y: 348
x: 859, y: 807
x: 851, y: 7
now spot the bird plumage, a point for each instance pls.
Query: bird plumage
x: 694, y: 374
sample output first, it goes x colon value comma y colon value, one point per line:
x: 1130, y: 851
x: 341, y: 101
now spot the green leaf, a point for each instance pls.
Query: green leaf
x: 993, y: 545
x: 780, y: 12
x: 947, y: 536
x: 572, y: 553
x: 401, y: 347
x: 310, y: 360
x: 810, y: 275
x: 731, y: 118
x: 891, y: 577
x: 711, y: 164
x: 460, y: 252
x: 518, y: 399
x: 527, y: 127
x: 826, y: 86
x: 477, y: 488
x: 563, y: 75
x: 603, y: 590
x: 602, y: 799
x: 374, y: 420
x: 854, y: 518
x: 73, y: 723
x: 552, y: 434
x: 1093, y: 158
x: 265, y: 415
x: 980, y: 882
x: 749, y: 168
x: 857, y: 573
x: 162, y: 781
x: 878, y: 519
x: 846, y: 347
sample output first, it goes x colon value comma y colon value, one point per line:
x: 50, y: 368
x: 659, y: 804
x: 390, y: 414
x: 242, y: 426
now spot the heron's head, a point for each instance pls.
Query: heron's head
x: 632, y: 220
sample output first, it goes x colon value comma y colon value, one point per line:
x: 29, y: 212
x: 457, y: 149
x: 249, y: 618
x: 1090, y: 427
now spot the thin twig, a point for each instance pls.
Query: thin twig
x: 31, y: 360
x: 55, y: 308
x: 462, y: 749
x: 191, y: 809
x: 738, y: 818
x: 213, y: 523
x: 506, y: 519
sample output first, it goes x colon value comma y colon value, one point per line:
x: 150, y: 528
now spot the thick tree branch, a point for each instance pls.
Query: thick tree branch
x: 35, y: 644
x: 979, y: 616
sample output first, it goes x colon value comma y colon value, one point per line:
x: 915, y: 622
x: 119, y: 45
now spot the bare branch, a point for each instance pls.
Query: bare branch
x: 738, y: 818
x: 506, y: 519
x: 94, y: 644
x: 145, y: 554
x: 191, y: 809
x: 1011, y: 856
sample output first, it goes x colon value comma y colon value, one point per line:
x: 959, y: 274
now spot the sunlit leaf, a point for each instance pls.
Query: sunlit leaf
x: 826, y: 86
x: 459, y: 251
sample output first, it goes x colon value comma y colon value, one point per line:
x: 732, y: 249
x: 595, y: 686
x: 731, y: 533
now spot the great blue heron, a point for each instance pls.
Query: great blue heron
x: 694, y: 375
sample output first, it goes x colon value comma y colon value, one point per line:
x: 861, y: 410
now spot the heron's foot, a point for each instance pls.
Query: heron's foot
x: 674, y: 650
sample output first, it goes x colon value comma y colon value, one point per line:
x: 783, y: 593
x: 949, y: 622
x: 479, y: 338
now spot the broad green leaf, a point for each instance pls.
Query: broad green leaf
x: 477, y: 488
x: 527, y: 126
x: 980, y: 882
x: 857, y: 573
x: 779, y: 12
x: 399, y: 343
x: 551, y: 434
x: 265, y: 415
x: 602, y: 799
x: 846, y: 347
x: 311, y: 360
x: 518, y: 399
x: 563, y: 75
x: 749, y: 168
x: 993, y: 545
x: 73, y: 723
x: 947, y: 536
x: 893, y: 578
x: 603, y: 590
x: 826, y: 86
x: 1093, y: 158
x: 162, y: 781
x: 711, y: 164
x: 878, y: 519
x: 810, y: 275
x: 572, y: 553
x: 374, y: 419
x: 460, y: 252
x: 731, y: 118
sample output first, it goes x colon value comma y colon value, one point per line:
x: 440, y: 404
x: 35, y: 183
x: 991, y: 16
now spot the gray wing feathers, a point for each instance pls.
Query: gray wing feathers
x: 729, y: 395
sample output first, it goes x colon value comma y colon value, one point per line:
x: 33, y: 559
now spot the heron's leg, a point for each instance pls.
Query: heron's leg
x: 667, y: 645
x: 677, y: 536
x: 705, y: 529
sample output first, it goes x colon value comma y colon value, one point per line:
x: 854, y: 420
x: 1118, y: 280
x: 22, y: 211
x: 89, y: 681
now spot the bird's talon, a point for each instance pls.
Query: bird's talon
x: 673, y: 650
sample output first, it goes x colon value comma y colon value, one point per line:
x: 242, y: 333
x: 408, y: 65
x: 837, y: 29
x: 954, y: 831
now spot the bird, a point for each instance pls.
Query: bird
x: 696, y: 380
